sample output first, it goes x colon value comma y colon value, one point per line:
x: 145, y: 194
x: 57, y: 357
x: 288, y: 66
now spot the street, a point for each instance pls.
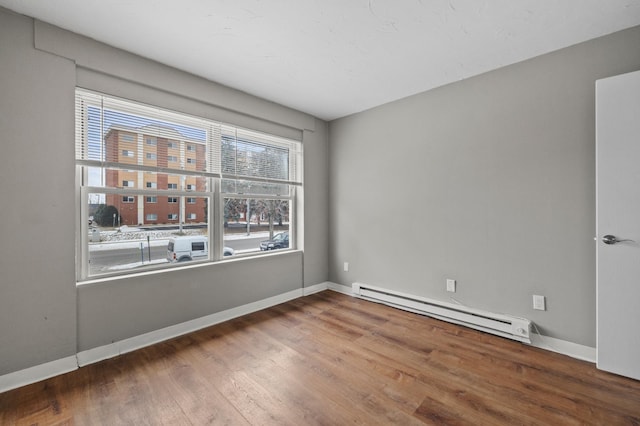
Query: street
x: 110, y: 260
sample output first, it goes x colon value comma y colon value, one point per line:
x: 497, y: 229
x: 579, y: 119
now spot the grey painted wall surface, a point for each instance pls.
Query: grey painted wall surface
x: 489, y: 181
x: 119, y: 309
x: 37, y: 273
x: 43, y: 316
x: 316, y: 206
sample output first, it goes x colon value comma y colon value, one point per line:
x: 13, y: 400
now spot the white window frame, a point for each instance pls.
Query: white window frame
x: 212, y: 178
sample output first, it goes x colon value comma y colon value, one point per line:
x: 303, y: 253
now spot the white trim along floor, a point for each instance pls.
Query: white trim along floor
x: 65, y: 365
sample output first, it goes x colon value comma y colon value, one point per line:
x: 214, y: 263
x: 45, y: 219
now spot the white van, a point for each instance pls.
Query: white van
x: 190, y: 247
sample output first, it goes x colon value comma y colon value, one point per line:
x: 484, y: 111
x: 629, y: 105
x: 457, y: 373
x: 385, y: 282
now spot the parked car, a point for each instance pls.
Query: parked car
x: 279, y: 241
x: 190, y: 247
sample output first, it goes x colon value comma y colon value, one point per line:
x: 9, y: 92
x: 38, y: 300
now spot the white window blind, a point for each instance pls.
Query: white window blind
x: 249, y: 162
x: 106, y: 126
x: 254, y: 163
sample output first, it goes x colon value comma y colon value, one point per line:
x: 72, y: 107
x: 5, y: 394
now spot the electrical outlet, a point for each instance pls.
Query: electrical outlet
x: 539, y: 303
x: 346, y: 266
x: 451, y: 285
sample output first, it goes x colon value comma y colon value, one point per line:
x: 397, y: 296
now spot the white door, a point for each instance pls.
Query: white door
x: 618, y: 224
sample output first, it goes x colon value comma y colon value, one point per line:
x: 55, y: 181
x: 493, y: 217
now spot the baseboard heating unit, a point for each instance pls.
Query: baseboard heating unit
x: 499, y: 324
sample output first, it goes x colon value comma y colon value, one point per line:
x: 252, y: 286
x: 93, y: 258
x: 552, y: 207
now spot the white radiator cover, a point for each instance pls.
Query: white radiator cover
x: 499, y: 324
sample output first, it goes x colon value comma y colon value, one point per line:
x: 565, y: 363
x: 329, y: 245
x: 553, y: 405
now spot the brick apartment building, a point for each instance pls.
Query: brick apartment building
x: 144, y: 147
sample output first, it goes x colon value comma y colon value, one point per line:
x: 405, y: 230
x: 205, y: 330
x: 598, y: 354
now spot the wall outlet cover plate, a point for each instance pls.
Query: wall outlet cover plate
x: 539, y: 303
x: 451, y: 285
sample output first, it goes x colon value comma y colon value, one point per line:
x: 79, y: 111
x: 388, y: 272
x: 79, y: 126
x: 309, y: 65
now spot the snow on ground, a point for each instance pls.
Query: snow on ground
x: 136, y: 265
x: 132, y: 239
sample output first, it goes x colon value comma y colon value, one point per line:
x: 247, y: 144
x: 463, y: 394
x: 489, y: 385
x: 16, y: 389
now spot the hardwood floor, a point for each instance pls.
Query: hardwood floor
x: 331, y: 359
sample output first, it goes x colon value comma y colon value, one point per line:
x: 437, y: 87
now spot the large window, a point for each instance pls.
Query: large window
x: 183, y: 179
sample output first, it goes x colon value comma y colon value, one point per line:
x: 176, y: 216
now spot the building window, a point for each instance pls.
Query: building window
x: 129, y: 154
x: 244, y: 180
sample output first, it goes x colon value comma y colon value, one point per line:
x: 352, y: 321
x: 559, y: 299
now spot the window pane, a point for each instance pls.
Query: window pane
x: 267, y: 227
x: 136, y: 179
x: 151, y: 173
x: 249, y: 158
x: 132, y: 235
x: 127, y: 133
x: 237, y: 186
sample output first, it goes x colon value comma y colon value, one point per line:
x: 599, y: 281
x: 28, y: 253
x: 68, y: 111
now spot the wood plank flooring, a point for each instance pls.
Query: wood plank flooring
x: 330, y: 359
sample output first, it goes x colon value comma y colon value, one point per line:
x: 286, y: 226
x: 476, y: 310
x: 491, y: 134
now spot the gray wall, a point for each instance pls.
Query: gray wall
x: 489, y: 181
x: 316, y: 206
x: 37, y: 272
x: 43, y: 316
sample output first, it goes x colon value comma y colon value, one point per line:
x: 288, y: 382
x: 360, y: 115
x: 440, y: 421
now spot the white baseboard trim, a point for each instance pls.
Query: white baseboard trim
x: 340, y: 288
x: 37, y: 373
x: 54, y: 368
x: 111, y: 350
x: 98, y: 354
x: 574, y: 350
x: 114, y: 349
x: 90, y: 356
x: 306, y: 291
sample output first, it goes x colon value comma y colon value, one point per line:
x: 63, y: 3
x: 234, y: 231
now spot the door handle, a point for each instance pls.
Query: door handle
x: 611, y: 239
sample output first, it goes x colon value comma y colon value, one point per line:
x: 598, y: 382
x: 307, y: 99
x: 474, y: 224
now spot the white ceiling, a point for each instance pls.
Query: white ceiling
x: 331, y: 58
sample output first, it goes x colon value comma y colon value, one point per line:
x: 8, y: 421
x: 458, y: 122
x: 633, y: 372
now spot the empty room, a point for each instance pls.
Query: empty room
x: 320, y: 212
